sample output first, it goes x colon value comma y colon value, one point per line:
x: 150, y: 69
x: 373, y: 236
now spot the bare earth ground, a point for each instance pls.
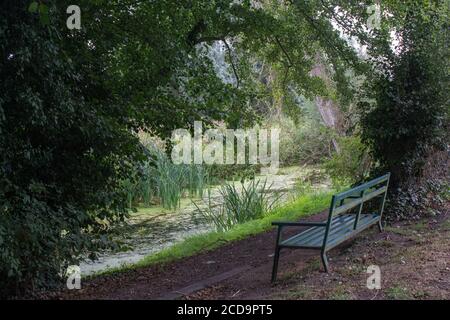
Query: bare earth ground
x: 414, y: 259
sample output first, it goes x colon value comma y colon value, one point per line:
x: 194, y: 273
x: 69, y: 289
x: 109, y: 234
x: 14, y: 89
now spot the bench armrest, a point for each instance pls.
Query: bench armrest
x: 298, y: 224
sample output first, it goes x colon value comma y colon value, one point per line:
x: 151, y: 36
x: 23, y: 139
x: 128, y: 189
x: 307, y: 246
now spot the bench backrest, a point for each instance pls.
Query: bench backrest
x: 355, y: 197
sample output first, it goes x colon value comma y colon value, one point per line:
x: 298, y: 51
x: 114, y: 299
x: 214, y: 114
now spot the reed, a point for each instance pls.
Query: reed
x: 249, y: 202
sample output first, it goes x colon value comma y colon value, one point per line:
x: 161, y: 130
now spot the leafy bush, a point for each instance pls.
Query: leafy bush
x: 405, y: 117
x: 65, y: 148
x: 351, y: 164
x: 405, y: 112
x: 239, y: 206
x: 304, y: 143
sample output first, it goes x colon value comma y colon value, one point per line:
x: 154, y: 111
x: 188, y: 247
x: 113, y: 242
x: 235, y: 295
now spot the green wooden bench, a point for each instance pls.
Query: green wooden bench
x: 340, y: 224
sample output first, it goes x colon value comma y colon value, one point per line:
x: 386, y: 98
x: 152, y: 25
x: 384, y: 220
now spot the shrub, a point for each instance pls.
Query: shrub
x: 350, y: 165
x: 404, y: 113
x: 305, y: 143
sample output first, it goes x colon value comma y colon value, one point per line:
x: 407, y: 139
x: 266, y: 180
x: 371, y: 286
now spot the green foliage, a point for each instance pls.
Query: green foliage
x: 405, y: 110
x: 303, y: 187
x: 350, y: 165
x: 407, y: 115
x: 171, y: 181
x: 64, y: 150
x: 399, y: 293
x: 239, y: 205
x: 305, y: 143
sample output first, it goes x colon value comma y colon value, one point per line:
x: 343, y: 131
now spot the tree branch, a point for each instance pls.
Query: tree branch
x: 231, y: 61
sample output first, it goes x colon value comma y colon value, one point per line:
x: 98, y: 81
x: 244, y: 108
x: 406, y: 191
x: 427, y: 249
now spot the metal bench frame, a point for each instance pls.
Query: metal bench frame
x: 338, y: 227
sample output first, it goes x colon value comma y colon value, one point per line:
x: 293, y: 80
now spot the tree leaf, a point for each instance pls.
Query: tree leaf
x: 33, y: 7
x: 43, y: 14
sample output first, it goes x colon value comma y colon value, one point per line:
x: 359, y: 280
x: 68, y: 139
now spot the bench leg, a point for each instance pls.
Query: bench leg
x: 276, y: 257
x: 323, y: 255
x: 380, y: 226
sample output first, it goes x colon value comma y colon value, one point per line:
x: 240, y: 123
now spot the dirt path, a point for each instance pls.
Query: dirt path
x: 414, y: 260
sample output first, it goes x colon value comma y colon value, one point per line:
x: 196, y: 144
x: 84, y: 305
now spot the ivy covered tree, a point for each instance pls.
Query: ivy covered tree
x: 405, y: 117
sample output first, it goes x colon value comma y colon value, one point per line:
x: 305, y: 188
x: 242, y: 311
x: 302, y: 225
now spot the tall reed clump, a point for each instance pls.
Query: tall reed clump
x: 161, y: 180
x: 239, y: 204
x: 169, y: 180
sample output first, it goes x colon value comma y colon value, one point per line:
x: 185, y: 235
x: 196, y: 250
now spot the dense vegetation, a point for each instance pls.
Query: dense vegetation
x: 73, y: 102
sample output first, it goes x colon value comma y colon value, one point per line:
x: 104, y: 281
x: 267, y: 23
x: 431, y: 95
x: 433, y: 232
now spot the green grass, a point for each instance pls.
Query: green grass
x: 339, y: 293
x: 398, y: 293
x: 305, y: 205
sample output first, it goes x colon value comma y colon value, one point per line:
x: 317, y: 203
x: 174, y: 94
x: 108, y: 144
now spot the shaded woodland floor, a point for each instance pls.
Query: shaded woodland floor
x: 414, y: 258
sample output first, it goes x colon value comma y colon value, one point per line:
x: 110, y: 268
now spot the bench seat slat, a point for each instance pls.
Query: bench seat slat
x: 362, y: 187
x: 347, y: 231
x: 348, y: 206
x: 375, y: 193
x: 357, y: 201
x: 312, y: 232
x: 341, y: 228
